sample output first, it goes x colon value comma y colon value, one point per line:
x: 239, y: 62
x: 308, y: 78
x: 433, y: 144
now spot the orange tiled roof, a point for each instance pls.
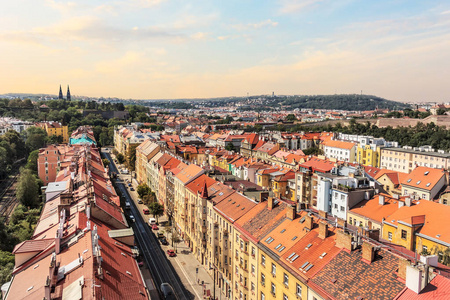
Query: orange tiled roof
x: 339, y: 144
x: 423, y: 178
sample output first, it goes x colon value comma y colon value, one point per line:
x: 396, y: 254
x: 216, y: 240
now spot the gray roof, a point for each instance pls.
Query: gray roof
x: 57, y: 186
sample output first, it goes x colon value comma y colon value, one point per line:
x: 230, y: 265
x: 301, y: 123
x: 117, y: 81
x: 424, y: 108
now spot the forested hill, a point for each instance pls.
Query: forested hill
x: 340, y: 102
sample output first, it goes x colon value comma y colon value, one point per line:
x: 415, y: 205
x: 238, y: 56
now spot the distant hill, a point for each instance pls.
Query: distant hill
x: 340, y: 102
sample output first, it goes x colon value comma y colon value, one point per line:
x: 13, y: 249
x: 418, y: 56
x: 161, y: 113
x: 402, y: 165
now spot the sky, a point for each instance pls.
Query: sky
x: 167, y: 49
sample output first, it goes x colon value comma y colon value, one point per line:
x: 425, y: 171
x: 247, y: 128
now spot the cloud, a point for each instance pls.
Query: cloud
x: 294, y: 6
x: 265, y: 23
x: 199, y: 36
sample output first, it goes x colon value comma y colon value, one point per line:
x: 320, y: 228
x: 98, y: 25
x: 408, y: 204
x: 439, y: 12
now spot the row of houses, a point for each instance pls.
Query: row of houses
x: 82, y: 246
x: 273, y: 245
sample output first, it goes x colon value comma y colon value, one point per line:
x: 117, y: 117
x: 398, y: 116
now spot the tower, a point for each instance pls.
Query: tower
x: 60, y: 93
x: 68, y: 93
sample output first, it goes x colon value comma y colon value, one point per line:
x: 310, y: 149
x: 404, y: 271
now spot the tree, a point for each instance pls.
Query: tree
x: 143, y: 190
x: 291, y: 117
x: 35, y: 138
x: 313, y: 151
x: 156, y: 209
x: 230, y: 147
x: 120, y: 158
x: 106, y: 162
x: 32, y: 161
x: 28, y: 189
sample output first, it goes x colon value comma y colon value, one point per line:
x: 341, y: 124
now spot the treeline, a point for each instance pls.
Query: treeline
x: 70, y: 113
x: 437, y: 137
x: 340, y: 102
x: 23, y: 220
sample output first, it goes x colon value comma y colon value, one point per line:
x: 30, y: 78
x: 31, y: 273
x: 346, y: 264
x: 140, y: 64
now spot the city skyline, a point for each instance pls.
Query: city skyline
x: 157, y: 49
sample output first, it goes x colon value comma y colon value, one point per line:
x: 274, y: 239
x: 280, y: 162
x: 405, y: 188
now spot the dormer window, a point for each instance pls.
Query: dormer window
x: 409, y: 180
x: 418, y: 182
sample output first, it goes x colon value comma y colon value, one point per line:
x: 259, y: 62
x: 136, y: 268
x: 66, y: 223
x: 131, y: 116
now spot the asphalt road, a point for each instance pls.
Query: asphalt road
x: 149, y: 247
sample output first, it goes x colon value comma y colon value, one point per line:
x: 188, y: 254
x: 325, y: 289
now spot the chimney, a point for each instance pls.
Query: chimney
x: 395, y: 196
x: 381, y: 200
x: 270, y: 203
x: 290, y: 212
x: 323, y: 229
x: 323, y: 214
x: 344, y: 240
x: 47, y: 289
x: 341, y: 223
x: 408, y: 201
x: 401, y: 204
x: 368, y: 252
x: 402, y: 264
x: 309, y: 222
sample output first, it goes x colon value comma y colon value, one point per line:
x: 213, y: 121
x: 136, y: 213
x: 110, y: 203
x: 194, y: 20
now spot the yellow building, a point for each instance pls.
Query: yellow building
x: 144, y: 152
x: 56, y: 129
x: 368, y: 156
x: 421, y: 227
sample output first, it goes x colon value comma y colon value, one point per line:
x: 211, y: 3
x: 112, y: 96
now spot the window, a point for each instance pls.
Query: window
x: 424, y: 249
x: 298, y: 290
x: 404, y: 234
x: 273, y: 289
x: 274, y: 270
x: 350, y: 221
x: 285, y: 297
x: 263, y: 280
x: 253, y: 269
x: 286, y: 279
x: 253, y: 251
x: 263, y: 260
x: 342, y: 208
x: 390, y: 236
x: 253, y: 287
x: 263, y: 297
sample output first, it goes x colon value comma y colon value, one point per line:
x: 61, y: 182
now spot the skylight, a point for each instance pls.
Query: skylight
x: 294, y: 258
x: 304, y: 265
x: 409, y: 180
x: 282, y: 248
x: 283, y: 230
x: 278, y: 246
x: 294, y: 238
x: 290, y: 256
x: 426, y: 173
x: 428, y: 184
x: 418, y: 182
x: 309, y: 267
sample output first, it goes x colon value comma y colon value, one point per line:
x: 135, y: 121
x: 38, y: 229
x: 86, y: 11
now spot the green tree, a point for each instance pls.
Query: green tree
x: 143, y: 190
x: 120, y: 158
x: 35, y: 138
x: 105, y: 162
x: 230, y: 147
x: 32, y: 161
x: 291, y: 117
x: 28, y: 189
x: 156, y: 209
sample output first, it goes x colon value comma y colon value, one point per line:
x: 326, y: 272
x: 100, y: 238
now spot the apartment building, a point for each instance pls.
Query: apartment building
x: 56, y: 129
x: 342, y: 151
x: 144, y: 152
x: 407, y: 158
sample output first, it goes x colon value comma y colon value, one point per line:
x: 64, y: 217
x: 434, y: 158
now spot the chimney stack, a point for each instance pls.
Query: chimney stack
x: 309, y: 222
x: 270, y: 203
x: 291, y: 212
x: 344, y: 240
x: 323, y: 214
x: 402, y: 264
x: 381, y: 200
x: 368, y: 252
x: 341, y: 222
x: 323, y: 229
x: 408, y: 201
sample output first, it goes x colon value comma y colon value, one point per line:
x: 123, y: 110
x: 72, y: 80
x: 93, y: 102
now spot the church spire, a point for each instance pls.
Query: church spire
x: 68, y: 93
x: 60, y: 93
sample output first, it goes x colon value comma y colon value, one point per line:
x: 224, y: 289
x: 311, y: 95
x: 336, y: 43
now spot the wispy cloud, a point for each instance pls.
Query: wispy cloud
x: 294, y: 6
x: 259, y: 25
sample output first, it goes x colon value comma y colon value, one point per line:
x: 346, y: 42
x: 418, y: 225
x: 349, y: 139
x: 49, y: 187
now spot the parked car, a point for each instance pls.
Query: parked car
x: 160, y: 235
x: 164, y: 241
x: 132, y: 218
x: 151, y: 221
x: 127, y: 205
x: 171, y: 253
x: 167, y: 291
x: 146, y: 211
x: 131, y: 189
x: 155, y: 227
x: 129, y: 184
x: 140, y: 201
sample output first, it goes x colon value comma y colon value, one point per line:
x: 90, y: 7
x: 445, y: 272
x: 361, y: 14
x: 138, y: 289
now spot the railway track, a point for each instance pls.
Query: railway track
x: 8, y: 198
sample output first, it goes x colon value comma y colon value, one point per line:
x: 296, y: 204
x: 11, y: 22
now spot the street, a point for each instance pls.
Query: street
x: 149, y: 247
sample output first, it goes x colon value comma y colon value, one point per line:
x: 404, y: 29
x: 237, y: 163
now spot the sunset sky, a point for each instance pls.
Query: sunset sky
x: 165, y: 49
